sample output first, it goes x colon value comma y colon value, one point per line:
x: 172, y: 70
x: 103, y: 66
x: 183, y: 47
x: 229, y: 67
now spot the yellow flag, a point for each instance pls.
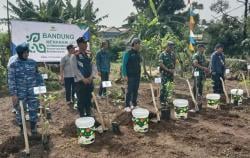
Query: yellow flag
x: 191, y: 47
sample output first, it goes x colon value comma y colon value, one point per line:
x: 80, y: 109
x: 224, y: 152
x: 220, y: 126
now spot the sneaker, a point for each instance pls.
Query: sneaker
x: 13, y: 110
x: 27, y: 117
x: 127, y: 109
x: 75, y: 106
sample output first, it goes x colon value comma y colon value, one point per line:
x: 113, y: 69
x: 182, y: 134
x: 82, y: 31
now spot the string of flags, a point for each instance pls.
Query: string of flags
x: 192, y: 41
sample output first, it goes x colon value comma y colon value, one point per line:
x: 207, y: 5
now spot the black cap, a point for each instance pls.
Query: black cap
x: 135, y: 41
x: 219, y: 45
x: 70, y: 46
x: 201, y: 46
x: 81, y: 40
x: 170, y: 44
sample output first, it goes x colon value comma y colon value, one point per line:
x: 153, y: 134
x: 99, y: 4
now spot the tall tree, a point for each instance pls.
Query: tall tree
x: 50, y: 11
x: 246, y: 4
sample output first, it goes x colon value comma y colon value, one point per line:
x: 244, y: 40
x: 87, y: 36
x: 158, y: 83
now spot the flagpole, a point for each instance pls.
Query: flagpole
x: 8, y: 23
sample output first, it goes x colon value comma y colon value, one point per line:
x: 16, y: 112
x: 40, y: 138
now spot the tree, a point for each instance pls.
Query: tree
x: 228, y: 31
x: 50, y: 11
x: 83, y: 15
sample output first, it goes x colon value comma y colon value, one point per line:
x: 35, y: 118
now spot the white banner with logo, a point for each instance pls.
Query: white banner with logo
x: 47, y: 41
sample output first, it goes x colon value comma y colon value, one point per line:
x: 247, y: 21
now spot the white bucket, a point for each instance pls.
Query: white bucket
x: 237, y: 96
x: 180, y: 108
x: 85, y: 130
x: 140, y: 119
x: 213, y: 100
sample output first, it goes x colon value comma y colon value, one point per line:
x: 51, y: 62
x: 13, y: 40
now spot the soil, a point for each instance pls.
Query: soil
x: 210, y: 133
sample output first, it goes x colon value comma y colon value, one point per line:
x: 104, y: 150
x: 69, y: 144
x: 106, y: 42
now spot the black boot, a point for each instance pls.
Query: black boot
x: 21, y: 129
x: 33, y: 128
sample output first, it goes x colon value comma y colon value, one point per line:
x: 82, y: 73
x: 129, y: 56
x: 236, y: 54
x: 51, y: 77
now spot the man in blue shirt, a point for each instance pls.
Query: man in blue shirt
x: 103, y: 65
x: 218, y: 68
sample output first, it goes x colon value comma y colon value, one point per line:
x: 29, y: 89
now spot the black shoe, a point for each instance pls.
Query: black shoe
x: 21, y: 129
x: 33, y: 128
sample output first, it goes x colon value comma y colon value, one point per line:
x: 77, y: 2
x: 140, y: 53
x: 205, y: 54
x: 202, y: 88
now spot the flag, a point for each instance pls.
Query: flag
x: 191, y: 47
x: 191, y: 28
x: 86, y: 34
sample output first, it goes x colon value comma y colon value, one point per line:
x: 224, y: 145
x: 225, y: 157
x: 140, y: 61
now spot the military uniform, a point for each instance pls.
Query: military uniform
x: 198, y: 81
x: 22, y: 78
x: 168, y: 60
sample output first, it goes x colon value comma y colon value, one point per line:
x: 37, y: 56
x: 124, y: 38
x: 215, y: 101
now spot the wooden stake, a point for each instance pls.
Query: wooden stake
x: 244, y: 79
x: 27, y: 149
x: 156, y: 108
x: 192, y: 95
x: 98, y: 111
x: 225, y: 91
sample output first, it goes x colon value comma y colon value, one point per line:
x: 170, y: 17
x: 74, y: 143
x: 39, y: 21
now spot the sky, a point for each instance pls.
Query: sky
x: 118, y: 10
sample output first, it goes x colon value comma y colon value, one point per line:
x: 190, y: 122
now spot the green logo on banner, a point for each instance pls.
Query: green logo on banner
x: 33, y: 40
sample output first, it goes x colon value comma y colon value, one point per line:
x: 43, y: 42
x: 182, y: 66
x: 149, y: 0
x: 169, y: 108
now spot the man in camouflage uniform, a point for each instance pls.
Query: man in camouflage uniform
x: 167, y: 67
x: 199, y: 65
x: 22, y: 78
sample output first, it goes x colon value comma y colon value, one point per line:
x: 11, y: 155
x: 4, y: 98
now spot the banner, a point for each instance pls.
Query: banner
x: 47, y: 41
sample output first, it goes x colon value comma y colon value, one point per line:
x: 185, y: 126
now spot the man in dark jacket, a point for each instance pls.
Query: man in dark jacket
x: 103, y: 66
x: 131, y: 71
x: 83, y: 74
x: 218, y: 68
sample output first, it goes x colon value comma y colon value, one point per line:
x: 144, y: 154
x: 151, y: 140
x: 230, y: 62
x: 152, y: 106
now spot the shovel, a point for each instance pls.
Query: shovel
x: 27, y: 149
x: 192, y: 95
x: 225, y: 91
x: 154, y: 102
x: 99, y: 112
x: 245, y: 84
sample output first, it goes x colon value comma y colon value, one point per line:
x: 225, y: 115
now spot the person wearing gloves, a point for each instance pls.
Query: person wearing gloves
x: 23, y: 76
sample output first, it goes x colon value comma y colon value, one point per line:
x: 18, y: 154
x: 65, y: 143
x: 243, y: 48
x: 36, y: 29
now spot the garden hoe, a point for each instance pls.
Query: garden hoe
x: 26, y: 152
x: 245, y: 84
x: 225, y: 91
x: 154, y: 102
x: 99, y: 112
x: 192, y: 95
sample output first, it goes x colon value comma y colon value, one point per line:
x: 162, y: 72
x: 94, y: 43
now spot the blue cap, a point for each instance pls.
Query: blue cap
x: 22, y: 48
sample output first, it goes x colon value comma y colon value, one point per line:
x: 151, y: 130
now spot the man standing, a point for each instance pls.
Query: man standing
x: 23, y: 76
x: 199, y: 66
x: 167, y: 61
x: 67, y: 76
x: 218, y: 68
x: 103, y: 66
x: 83, y: 73
x: 131, y: 71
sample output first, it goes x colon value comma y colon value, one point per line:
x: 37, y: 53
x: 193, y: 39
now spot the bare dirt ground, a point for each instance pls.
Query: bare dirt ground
x: 209, y: 134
